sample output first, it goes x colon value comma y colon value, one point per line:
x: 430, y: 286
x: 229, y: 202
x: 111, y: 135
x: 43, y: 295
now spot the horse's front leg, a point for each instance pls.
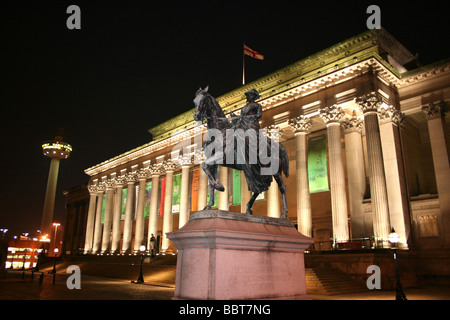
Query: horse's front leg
x: 282, y: 188
x: 210, y: 169
x: 250, y: 203
x: 211, y: 174
x: 211, y: 198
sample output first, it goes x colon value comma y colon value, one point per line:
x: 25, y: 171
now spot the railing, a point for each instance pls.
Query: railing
x: 370, y: 243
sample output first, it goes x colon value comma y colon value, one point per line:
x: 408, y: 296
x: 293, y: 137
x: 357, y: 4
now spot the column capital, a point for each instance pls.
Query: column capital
x: 131, y: 178
x: 169, y: 166
x: 300, y: 124
x: 273, y: 133
x: 121, y: 181
x: 369, y: 102
x: 390, y: 114
x: 434, y: 110
x: 185, y: 160
x: 331, y: 114
x: 157, y: 170
x: 352, y: 124
x: 143, y: 174
x: 101, y: 188
x: 199, y: 156
x: 110, y: 185
x: 92, y: 189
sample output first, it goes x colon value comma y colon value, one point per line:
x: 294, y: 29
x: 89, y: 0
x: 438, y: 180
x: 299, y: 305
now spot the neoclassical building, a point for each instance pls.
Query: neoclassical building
x: 366, y: 133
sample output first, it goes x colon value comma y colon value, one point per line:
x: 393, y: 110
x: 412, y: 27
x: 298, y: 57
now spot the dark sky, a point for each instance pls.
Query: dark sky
x: 135, y: 64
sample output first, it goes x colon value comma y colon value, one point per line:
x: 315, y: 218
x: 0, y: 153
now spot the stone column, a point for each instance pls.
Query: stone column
x: 98, y: 219
x: 301, y: 126
x: 355, y: 175
x: 202, y: 182
x: 223, y: 196
x: 273, y: 194
x: 390, y: 122
x: 90, y: 219
x: 142, y: 176
x: 169, y: 167
x: 369, y: 105
x: 153, y: 219
x: 185, y: 162
x: 331, y: 116
x: 116, y: 229
x: 129, y: 206
x: 435, y: 114
x: 107, y: 222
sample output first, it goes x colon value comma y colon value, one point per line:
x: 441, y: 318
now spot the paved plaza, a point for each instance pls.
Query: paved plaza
x: 16, y: 287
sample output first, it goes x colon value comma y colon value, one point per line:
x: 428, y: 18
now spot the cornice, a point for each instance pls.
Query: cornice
x: 334, y: 58
x: 336, y: 64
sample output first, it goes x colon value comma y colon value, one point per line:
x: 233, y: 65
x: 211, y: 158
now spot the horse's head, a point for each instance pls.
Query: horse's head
x: 200, y: 107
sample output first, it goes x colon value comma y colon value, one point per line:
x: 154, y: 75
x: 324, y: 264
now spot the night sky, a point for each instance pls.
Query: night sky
x: 135, y: 64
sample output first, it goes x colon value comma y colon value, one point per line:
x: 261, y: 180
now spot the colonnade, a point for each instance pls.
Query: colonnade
x: 385, y: 169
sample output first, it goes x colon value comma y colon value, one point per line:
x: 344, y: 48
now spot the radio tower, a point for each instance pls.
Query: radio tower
x: 56, y: 150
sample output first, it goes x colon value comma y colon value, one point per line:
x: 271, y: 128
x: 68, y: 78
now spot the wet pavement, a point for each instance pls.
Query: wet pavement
x: 13, y: 287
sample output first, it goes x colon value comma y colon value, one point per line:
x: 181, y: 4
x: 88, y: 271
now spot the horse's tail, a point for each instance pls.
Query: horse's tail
x: 284, y: 161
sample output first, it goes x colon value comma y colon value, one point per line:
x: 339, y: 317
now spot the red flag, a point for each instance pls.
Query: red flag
x: 252, y: 53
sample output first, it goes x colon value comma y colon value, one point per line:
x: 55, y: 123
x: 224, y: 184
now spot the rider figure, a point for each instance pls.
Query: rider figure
x: 249, y: 120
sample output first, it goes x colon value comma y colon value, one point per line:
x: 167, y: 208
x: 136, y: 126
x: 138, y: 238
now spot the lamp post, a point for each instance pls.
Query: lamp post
x: 394, y: 239
x: 54, y: 260
x: 36, y: 269
x: 56, y: 225
x: 141, y: 277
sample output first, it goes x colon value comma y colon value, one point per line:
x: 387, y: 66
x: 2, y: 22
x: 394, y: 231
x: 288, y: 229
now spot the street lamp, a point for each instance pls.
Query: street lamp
x: 36, y: 268
x: 54, y: 260
x: 394, y: 239
x: 56, y: 225
x: 141, y: 277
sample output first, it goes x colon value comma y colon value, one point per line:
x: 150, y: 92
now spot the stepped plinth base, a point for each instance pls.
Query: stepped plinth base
x: 230, y: 256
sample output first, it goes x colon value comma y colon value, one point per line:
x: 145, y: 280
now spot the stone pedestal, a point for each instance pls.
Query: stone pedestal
x: 232, y: 256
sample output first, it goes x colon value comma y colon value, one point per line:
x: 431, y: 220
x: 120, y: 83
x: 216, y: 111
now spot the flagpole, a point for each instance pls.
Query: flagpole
x: 243, y: 64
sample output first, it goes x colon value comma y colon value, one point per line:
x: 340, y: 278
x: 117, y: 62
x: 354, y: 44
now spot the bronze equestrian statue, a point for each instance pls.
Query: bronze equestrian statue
x: 240, y: 145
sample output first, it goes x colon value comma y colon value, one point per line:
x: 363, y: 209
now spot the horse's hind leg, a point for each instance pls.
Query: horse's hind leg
x: 282, y: 188
x: 250, y: 203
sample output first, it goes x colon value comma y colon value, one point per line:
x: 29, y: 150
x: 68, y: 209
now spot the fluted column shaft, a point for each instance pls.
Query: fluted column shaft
x: 223, y: 196
x: 202, y: 181
x: 128, y: 223
x: 153, y: 218
x: 435, y: 114
x: 139, y: 231
x: 90, y: 219
x: 331, y: 116
x: 184, y: 193
x: 116, y: 229
x: 355, y: 174
x: 98, y: 220
x: 167, y: 219
x: 390, y: 122
x: 301, y: 126
x: 107, y: 222
x: 369, y: 104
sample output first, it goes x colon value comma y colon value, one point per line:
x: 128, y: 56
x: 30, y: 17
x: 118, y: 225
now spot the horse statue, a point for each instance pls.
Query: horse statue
x: 240, y: 145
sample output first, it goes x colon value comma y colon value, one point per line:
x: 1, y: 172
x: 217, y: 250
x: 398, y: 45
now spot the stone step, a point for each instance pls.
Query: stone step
x: 328, y: 281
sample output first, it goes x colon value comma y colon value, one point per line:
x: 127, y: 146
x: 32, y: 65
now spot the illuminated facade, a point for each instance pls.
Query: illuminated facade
x: 365, y: 129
